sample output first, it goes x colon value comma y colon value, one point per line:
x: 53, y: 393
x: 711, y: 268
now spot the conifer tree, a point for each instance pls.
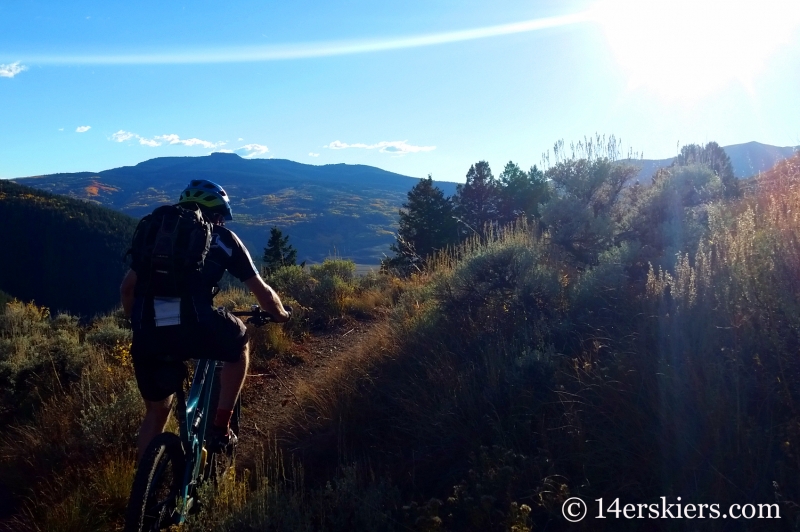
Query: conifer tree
x: 477, y: 202
x: 426, y: 224
x: 278, y: 251
x: 521, y: 193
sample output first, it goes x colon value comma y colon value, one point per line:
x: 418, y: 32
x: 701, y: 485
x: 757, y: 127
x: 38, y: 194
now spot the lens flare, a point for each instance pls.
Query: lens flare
x: 306, y: 50
x: 688, y: 49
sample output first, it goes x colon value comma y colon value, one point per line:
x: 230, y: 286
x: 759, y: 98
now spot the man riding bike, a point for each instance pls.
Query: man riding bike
x: 167, y: 332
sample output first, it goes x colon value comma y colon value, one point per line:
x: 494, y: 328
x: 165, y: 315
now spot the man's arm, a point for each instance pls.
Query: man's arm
x: 267, y: 298
x: 126, y: 290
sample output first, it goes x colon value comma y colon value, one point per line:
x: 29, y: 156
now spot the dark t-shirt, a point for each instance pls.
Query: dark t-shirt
x: 226, y: 253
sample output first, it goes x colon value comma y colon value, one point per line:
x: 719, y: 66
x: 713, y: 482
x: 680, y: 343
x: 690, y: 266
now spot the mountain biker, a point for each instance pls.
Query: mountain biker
x: 159, y: 352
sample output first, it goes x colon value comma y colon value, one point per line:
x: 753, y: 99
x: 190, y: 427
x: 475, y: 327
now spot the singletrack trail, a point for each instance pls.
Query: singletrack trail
x: 268, y: 397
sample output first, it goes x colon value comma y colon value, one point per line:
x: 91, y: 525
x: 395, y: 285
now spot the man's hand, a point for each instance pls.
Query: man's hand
x: 268, y: 299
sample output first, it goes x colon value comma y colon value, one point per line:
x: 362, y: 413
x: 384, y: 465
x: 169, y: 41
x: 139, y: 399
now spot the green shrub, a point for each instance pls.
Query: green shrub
x: 334, y: 268
x: 110, y: 419
x: 107, y: 333
x: 39, y: 356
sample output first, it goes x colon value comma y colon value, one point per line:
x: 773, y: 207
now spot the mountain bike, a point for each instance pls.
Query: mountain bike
x: 174, y: 466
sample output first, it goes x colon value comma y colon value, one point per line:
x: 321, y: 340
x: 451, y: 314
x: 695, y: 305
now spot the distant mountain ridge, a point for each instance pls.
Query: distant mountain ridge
x: 747, y: 159
x: 350, y: 210
x: 337, y: 209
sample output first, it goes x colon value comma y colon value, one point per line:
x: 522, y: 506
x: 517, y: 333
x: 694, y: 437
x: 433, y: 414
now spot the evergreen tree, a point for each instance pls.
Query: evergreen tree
x: 521, y: 193
x: 278, y: 252
x: 477, y: 202
x: 426, y: 224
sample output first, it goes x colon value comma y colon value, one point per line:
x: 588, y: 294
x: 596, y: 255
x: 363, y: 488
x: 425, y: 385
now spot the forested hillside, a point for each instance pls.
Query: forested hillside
x: 63, y: 253
x: 347, y: 210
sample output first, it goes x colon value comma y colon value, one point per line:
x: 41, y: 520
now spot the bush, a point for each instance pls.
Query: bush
x: 329, y: 292
x: 39, y: 356
x: 334, y: 268
x: 295, y: 282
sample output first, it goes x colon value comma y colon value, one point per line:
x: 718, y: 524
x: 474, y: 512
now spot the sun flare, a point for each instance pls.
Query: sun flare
x: 688, y: 49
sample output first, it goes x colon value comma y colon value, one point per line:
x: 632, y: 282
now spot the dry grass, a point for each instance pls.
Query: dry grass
x: 508, y: 380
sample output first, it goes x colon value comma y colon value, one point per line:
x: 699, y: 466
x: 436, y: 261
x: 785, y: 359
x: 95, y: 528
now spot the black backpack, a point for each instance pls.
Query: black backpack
x: 168, y: 250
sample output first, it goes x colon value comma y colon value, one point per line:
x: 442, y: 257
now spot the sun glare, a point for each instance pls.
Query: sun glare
x: 688, y: 49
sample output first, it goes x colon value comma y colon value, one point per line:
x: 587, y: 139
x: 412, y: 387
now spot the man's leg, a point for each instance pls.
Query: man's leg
x: 231, y: 379
x: 155, y: 419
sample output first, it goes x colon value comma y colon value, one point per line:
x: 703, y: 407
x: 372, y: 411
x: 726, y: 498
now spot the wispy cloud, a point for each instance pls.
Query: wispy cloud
x: 11, y: 70
x: 312, y: 154
x: 175, y: 139
x: 252, y: 150
x: 158, y: 140
x: 122, y: 136
x: 307, y: 50
x: 396, y: 147
x: 82, y: 129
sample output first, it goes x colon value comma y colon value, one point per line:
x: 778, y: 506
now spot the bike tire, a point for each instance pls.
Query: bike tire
x: 157, y: 486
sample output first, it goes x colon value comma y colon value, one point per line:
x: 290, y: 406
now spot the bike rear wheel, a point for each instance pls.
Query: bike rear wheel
x: 153, y: 504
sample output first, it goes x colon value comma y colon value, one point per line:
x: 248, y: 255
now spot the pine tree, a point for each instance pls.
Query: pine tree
x: 521, y: 193
x: 426, y: 224
x: 278, y: 252
x: 477, y: 202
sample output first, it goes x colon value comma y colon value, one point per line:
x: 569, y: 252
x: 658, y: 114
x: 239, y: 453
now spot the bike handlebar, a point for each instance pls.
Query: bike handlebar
x: 258, y: 317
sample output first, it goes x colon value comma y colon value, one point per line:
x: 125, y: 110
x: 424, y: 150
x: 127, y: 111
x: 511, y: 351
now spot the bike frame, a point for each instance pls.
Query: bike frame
x: 193, y: 418
x: 193, y: 415
x: 193, y: 412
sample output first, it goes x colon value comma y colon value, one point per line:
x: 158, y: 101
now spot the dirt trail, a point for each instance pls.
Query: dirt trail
x: 269, y: 393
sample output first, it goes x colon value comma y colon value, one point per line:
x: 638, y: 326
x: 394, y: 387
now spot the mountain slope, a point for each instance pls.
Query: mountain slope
x: 747, y: 159
x: 346, y: 209
x: 64, y: 253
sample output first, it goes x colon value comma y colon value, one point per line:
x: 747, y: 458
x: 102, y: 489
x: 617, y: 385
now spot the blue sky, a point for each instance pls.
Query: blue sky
x: 414, y: 87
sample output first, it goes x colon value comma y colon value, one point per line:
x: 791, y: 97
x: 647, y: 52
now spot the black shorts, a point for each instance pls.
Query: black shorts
x: 159, y: 353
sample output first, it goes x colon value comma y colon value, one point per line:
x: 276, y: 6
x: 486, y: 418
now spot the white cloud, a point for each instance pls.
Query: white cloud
x: 122, y: 136
x: 312, y: 154
x: 240, y: 139
x: 396, y: 147
x: 254, y: 150
x: 175, y: 139
x: 11, y: 70
x: 149, y: 142
x: 61, y: 129
x: 83, y: 129
x: 158, y: 140
x: 223, y: 151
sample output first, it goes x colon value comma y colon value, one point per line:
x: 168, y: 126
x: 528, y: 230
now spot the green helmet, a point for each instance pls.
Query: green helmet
x: 209, y: 195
